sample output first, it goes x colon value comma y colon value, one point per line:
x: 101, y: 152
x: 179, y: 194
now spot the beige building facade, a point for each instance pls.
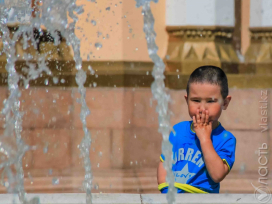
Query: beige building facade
x: 126, y: 146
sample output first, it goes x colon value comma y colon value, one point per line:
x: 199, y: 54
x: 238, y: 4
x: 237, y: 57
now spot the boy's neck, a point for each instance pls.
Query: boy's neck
x: 215, y: 124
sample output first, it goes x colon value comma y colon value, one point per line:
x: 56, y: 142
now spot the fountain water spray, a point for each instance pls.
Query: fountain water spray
x: 13, y: 116
x: 51, y: 14
x: 159, y: 94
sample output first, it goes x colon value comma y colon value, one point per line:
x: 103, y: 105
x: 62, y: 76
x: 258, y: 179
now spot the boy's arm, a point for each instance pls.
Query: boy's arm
x: 161, y: 173
x: 217, y: 169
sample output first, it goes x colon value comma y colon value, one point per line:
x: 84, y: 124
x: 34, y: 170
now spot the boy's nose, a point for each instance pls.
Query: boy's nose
x: 202, y: 106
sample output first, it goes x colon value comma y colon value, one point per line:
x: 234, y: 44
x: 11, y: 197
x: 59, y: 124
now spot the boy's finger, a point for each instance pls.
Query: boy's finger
x: 210, y: 123
x: 194, y: 120
x: 197, y: 117
x: 207, y: 117
x: 203, y: 116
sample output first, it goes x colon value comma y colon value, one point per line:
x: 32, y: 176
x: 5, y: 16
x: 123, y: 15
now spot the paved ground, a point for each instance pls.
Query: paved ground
x: 137, y: 198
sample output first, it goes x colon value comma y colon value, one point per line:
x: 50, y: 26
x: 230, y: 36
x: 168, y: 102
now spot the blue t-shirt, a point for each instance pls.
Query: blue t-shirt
x: 188, y: 166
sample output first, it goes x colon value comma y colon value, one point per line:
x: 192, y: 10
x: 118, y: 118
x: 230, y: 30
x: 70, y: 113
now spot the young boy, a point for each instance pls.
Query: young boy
x: 203, y: 151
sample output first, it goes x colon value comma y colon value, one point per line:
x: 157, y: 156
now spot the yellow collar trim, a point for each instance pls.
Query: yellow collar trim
x: 194, y: 131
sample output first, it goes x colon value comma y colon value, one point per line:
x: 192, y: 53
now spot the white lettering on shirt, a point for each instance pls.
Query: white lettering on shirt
x: 188, y: 156
x: 196, y: 156
x: 181, y: 154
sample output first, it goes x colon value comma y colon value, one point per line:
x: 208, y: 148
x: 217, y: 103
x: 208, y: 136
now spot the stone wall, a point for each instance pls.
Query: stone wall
x: 125, y: 146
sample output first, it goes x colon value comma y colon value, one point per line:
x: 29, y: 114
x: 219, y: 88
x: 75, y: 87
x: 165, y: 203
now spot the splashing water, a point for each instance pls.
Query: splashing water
x: 12, y: 114
x: 51, y: 14
x: 159, y: 94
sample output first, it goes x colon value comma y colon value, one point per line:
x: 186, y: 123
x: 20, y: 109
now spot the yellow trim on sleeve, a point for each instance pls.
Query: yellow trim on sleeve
x: 161, y: 159
x: 188, y: 188
x: 225, y: 161
x: 162, y: 185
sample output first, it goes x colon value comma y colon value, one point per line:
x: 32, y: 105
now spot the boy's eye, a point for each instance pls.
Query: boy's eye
x: 211, y: 101
x: 196, y: 100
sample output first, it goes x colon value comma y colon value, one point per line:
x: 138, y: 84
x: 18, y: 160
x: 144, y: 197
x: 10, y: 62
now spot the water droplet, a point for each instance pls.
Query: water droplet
x: 50, y: 171
x: 130, y: 30
x: 100, y: 154
x: 99, y: 34
x: 46, y: 82
x: 136, y: 48
x: 55, y: 80
x: 96, y: 186
x: 93, y: 22
x: 147, y: 73
x: 55, y: 181
x: 91, y: 70
x: 135, y: 136
x: 131, y: 163
x: 242, y: 168
x: 97, y: 165
x: 62, y: 81
x: 79, y: 10
x: 45, y: 149
x: 6, y: 184
x: 108, y: 9
x: 94, y: 84
x: 98, y: 45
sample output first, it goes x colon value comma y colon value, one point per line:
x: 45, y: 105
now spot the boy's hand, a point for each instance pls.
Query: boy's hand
x: 202, y: 125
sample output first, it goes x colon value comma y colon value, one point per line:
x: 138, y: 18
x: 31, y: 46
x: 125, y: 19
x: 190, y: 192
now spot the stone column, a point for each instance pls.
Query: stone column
x: 200, y: 33
x: 259, y: 54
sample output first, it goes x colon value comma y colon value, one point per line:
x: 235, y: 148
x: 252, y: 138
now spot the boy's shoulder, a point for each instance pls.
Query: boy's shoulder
x: 182, y: 124
x: 224, y: 138
x: 227, y: 134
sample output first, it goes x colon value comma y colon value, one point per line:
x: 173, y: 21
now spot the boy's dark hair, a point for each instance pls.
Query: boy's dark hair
x: 212, y: 75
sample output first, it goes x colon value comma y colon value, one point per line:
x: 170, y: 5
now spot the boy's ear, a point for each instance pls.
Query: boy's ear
x: 186, y: 98
x: 226, y: 102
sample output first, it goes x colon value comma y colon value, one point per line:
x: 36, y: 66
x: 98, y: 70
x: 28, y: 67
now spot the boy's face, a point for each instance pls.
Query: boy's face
x: 207, y: 96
